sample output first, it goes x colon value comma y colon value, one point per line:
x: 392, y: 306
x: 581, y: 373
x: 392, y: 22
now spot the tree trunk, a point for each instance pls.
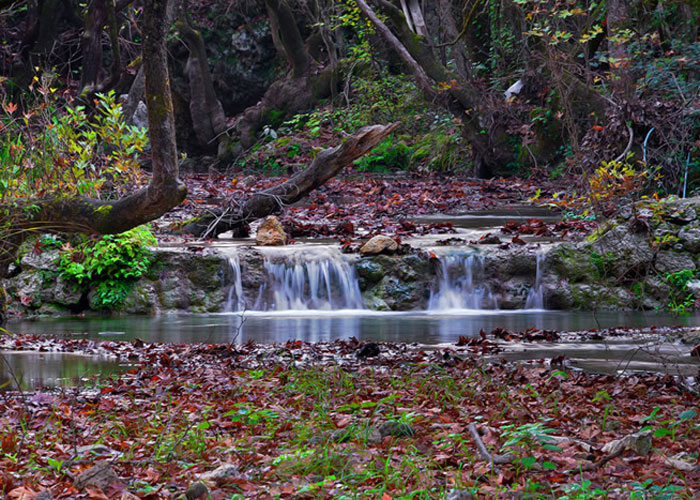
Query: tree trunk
x: 206, y: 111
x: 328, y: 164
x: 95, y: 20
x: 72, y: 213
x: 490, y: 149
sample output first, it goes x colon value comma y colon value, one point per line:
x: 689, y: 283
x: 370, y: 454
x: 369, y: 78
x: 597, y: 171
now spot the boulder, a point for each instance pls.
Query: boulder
x: 379, y: 244
x: 271, y: 233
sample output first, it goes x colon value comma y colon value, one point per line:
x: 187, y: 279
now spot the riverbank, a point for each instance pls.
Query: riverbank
x: 346, y: 419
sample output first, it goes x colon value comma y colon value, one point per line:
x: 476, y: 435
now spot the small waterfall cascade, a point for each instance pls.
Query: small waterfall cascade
x: 461, y: 284
x: 535, y: 298
x: 312, y: 278
x: 235, y: 300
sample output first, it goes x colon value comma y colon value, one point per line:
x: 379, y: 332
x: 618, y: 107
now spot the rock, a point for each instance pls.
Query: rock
x: 197, y: 491
x: 371, y: 436
x: 140, y: 116
x: 44, y: 495
x: 460, y: 495
x: 379, y: 244
x: 271, y: 233
x: 221, y: 475
x: 690, y: 238
x: 342, y: 435
x: 639, y: 442
x: 396, y: 429
x: 371, y: 271
x: 672, y: 262
x: 368, y: 350
x: 101, y: 475
x: 96, y: 450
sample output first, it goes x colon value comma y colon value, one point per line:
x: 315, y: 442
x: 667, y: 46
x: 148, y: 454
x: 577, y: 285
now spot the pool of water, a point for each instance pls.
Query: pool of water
x: 612, y: 355
x: 30, y: 370
x: 314, y: 326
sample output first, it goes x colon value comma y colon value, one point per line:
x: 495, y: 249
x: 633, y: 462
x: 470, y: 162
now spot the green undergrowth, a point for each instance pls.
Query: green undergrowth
x: 109, y: 265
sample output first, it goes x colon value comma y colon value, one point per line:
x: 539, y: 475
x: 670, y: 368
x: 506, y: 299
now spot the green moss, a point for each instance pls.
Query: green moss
x: 103, y: 210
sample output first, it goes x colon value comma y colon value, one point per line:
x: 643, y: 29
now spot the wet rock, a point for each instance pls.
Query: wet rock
x: 197, y: 491
x: 626, y: 250
x: 271, y: 233
x: 221, y: 475
x: 101, y: 475
x: 396, y: 429
x: 370, y: 270
x: 379, y: 244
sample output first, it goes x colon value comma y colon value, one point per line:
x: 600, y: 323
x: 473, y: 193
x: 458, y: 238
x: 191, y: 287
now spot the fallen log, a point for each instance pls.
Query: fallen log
x: 327, y: 164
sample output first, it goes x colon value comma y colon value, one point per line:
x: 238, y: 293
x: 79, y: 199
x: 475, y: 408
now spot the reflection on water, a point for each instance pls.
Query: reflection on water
x: 265, y: 327
x: 27, y: 370
x: 611, y: 356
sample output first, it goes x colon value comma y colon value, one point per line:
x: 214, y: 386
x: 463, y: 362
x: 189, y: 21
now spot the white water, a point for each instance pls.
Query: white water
x: 311, y: 278
x: 235, y: 300
x: 535, y: 298
x: 461, y: 285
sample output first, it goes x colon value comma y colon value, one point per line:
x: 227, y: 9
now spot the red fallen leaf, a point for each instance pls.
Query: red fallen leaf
x: 22, y: 493
x: 695, y: 351
x: 518, y: 241
x: 463, y: 341
x: 598, y: 128
x: 95, y: 493
x: 386, y: 497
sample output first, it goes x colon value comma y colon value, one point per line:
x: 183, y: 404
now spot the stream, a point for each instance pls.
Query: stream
x: 619, y: 354
x: 312, y: 294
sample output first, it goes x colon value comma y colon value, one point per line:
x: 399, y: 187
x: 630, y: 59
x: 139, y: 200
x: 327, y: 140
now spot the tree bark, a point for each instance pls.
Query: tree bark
x: 72, y: 213
x: 206, y: 111
x: 489, y: 147
x: 287, y: 35
x: 95, y: 20
x: 328, y: 164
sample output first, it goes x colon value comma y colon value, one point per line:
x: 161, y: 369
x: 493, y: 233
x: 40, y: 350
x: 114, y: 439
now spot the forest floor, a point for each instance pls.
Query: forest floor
x: 345, y: 419
x: 359, y: 206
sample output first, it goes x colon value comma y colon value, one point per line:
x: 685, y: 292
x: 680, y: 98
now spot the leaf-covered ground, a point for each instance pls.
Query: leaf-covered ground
x: 365, y: 205
x: 344, y: 420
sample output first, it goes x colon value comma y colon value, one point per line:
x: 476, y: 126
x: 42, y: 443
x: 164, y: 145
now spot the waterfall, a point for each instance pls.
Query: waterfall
x: 461, y: 284
x: 235, y: 300
x: 312, y: 278
x: 535, y: 298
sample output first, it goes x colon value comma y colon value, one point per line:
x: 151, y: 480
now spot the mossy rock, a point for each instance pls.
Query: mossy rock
x: 369, y: 270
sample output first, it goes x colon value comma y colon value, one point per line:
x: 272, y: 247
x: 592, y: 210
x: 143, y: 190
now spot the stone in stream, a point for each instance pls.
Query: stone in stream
x: 368, y: 350
x: 379, y: 244
x: 271, y: 233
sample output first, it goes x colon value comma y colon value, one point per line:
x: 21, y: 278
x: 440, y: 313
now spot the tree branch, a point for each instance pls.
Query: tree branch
x: 328, y: 163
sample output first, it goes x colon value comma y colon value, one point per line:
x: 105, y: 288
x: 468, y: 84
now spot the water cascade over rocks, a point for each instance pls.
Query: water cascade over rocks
x: 320, y: 277
x: 313, y: 278
x: 535, y: 299
x: 461, y: 284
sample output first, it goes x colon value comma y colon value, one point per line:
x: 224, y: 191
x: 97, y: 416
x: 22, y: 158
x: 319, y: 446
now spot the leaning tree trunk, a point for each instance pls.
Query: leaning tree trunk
x: 73, y: 213
x: 490, y: 148
x: 328, y: 164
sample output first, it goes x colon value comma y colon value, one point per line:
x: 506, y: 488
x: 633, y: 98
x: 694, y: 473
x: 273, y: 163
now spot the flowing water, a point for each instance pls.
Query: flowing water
x: 310, y: 292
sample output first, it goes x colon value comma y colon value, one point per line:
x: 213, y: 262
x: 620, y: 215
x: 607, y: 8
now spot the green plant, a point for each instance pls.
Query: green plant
x: 109, y: 265
x: 599, y: 398
x: 603, y: 263
x: 648, y: 490
x: 523, y: 439
x: 387, y: 156
x: 582, y: 491
x: 682, y: 299
x: 57, y: 148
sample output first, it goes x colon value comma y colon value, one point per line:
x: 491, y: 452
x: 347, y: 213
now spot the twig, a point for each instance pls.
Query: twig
x: 629, y: 144
x: 484, y: 453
